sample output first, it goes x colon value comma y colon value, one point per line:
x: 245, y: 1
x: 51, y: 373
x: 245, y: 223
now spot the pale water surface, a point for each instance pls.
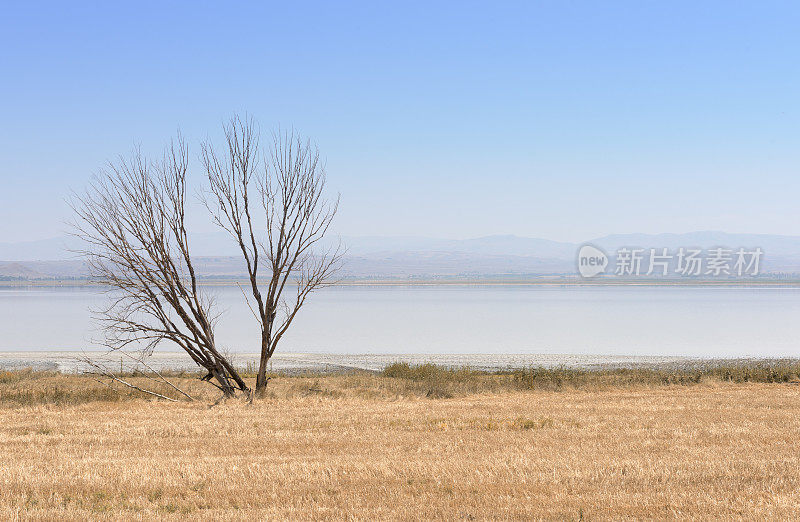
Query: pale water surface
x: 446, y: 320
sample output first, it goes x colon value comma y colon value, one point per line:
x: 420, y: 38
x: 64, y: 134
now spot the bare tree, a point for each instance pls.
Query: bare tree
x: 132, y: 221
x: 285, y: 188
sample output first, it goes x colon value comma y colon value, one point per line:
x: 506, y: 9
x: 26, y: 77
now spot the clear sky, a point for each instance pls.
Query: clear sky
x: 562, y: 120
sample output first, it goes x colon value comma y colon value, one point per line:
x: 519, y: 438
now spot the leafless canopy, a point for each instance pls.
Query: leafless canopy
x: 285, y: 188
x: 132, y: 221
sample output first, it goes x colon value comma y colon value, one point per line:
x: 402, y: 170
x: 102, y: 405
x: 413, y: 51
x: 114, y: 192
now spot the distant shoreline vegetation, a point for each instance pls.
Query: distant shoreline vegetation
x: 766, y: 280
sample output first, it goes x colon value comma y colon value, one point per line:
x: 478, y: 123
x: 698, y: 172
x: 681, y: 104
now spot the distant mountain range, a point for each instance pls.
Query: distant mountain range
x: 377, y: 257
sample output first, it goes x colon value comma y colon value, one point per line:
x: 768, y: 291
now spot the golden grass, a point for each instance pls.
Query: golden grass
x: 374, y: 447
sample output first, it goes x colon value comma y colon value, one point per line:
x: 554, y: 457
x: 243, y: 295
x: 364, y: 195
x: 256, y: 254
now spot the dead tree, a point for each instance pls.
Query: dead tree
x: 132, y: 222
x: 284, y: 187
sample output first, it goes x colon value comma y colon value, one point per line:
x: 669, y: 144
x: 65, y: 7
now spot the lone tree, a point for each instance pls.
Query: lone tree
x: 284, y: 187
x: 132, y: 221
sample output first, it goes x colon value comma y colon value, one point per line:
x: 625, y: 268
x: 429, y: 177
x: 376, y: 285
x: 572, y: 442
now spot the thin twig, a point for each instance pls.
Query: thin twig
x: 246, y: 300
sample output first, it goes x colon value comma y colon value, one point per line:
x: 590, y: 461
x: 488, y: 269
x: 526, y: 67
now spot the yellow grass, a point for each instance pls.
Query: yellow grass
x: 355, y: 447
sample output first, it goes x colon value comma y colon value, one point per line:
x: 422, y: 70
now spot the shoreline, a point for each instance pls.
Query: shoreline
x: 69, y: 361
x: 770, y: 283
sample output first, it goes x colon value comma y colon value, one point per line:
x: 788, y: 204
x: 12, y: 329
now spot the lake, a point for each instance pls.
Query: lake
x: 450, y: 319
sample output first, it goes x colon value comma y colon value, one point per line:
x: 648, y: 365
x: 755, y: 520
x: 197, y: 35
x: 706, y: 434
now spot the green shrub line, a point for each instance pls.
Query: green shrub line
x: 561, y: 376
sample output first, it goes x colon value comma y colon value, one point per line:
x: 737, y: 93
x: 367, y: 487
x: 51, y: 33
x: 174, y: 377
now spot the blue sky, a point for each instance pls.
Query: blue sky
x: 562, y: 120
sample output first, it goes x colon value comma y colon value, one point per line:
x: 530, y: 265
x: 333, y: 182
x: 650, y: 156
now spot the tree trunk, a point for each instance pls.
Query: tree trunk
x: 261, y: 376
x: 228, y: 389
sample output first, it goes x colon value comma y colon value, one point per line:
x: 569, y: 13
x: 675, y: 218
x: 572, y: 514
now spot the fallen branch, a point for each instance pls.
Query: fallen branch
x: 102, y: 371
x: 163, y: 379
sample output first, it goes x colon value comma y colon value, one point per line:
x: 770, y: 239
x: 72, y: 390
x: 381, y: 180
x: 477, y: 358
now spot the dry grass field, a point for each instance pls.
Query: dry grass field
x: 393, y: 447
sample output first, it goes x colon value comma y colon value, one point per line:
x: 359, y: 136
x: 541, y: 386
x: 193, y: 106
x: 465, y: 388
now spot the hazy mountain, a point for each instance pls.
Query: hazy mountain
x: 781, y: 253
x: 449, y: 264
x: 19, y: 271
x: 416, y: 257
x: 67, y: 269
